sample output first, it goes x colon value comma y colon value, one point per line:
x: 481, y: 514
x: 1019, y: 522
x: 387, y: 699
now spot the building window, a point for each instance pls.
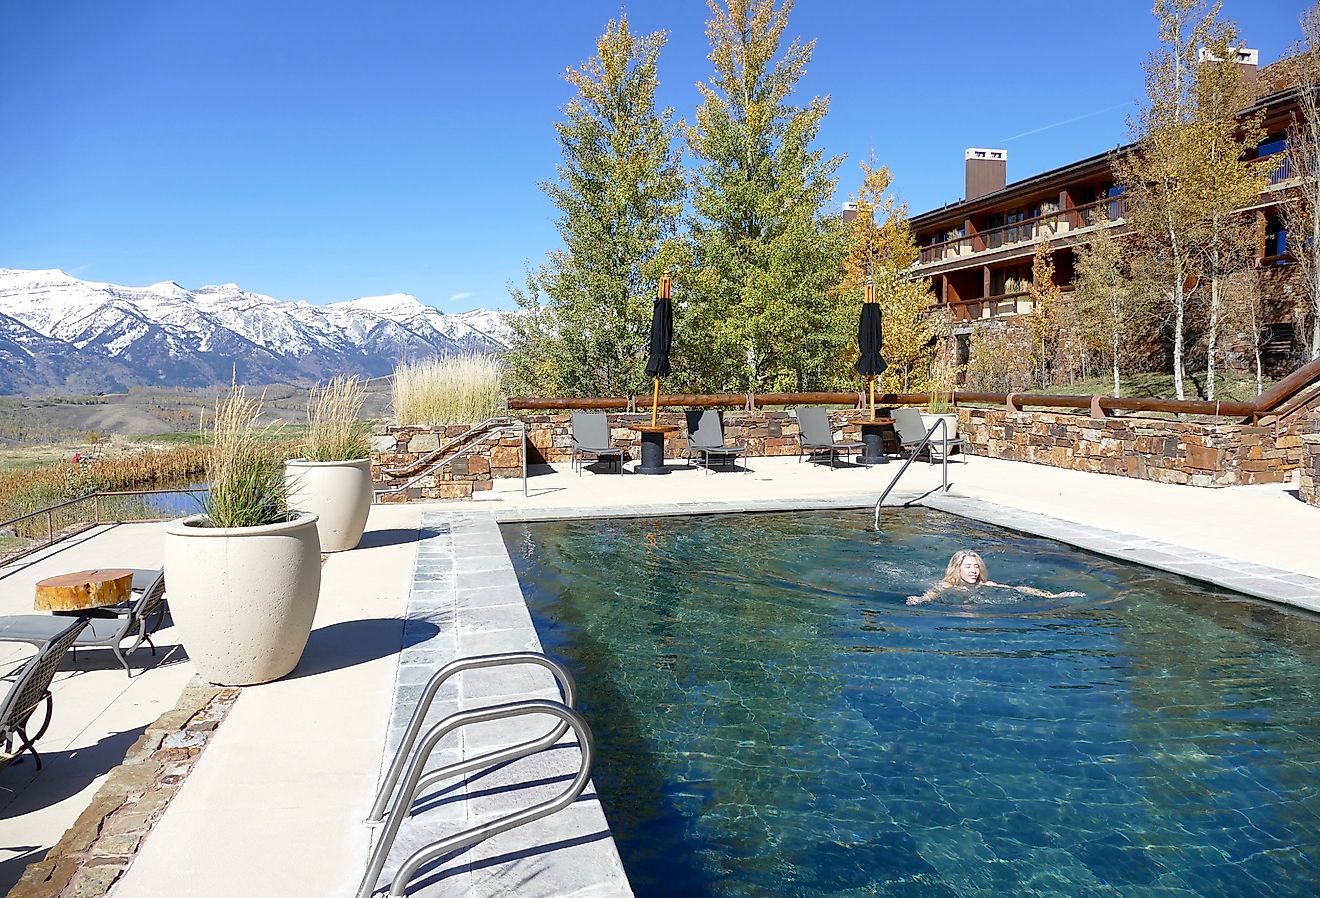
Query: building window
x: 1276, y: 242
x: 1274, y: 144
x: 1116, y: 208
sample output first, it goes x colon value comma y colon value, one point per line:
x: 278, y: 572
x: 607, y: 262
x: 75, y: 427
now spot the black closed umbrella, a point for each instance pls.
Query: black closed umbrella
x: 870, y: 341
x: 662, y: 337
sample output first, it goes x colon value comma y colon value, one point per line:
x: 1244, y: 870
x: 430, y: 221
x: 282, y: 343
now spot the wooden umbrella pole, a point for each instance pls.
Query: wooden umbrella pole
x: 655, y: 401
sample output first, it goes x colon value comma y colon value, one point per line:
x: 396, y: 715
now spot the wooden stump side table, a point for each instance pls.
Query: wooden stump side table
x: 653, y: 447
x: 84, y: 590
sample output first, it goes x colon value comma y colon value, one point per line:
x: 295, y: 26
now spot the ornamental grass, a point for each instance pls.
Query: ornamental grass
x: 247, y: 479
x: 335, y: 431
x: 460, y: 389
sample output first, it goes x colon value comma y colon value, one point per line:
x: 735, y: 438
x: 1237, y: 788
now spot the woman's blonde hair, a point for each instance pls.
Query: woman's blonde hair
x: 951, y: 575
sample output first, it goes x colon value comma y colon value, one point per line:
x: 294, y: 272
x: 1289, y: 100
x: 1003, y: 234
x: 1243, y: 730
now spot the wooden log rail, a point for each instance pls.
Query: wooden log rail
x: 1280, y: 399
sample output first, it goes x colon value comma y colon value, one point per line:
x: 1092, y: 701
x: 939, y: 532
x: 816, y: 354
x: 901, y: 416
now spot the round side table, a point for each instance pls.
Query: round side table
x: 653, y: 447
x: 873, y: 439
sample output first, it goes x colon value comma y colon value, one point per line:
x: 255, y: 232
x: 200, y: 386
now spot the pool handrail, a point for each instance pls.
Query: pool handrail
x: 941, y: 424
x: 513, y: 752
x: 412, y: 784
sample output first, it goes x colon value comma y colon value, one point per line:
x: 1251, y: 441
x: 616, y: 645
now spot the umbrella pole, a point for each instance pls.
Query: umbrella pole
x: 871, y: 382
x: 655, y: 401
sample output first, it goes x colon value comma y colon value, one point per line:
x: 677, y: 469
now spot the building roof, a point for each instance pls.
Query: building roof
x: 1275, y: 83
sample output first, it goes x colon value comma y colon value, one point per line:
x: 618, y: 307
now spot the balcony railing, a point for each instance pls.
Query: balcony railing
x: 991, y: 306
x: 1052, y: 224
x: 1283, y: 173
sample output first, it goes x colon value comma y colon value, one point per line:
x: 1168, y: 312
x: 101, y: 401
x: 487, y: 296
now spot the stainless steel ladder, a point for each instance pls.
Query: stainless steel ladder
x: 392, y: 815
x: 940, y: 424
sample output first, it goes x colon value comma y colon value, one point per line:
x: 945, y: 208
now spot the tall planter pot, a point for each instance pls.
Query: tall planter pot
x: 243, y: 597
x: 337, y: 492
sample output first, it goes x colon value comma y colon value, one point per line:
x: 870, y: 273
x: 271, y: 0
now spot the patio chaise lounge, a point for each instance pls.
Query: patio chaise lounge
x: 706, y: 441
x: 30, y: 687
x: 912, y: 428
x: 114, y: 624
x: 815, y: 436
x: 591, y: 439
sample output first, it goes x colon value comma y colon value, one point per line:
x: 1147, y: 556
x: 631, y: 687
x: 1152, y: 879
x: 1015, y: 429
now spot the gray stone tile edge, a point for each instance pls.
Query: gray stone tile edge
x: 481, y: 536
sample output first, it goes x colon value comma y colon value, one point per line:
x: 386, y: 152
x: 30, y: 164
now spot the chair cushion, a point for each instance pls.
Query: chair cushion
x: 37, y: 628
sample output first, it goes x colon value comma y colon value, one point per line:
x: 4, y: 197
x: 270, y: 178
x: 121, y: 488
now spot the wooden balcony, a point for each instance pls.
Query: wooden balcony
x: 1108, y: 210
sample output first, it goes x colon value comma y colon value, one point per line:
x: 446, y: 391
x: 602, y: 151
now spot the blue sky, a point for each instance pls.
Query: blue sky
x: 324, y: 150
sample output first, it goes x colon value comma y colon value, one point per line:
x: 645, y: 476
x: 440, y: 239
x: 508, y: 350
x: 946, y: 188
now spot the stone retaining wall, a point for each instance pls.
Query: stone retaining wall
x: 550, y: 440
x: 1145, y: 448
x: 1309, y: 488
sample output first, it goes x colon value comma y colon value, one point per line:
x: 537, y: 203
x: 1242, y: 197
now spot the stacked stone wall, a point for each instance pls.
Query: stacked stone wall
x: 1309, y: 481
x: 550, y: 441
x: 1144, y: 448
x: 1199, y: 454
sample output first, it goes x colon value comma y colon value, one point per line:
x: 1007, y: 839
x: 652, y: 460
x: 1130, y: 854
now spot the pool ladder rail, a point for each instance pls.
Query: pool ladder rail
x: 942, y: 425
x: 409, y: 766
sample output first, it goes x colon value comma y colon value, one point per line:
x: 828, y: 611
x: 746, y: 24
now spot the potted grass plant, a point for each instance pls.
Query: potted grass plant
x: 244, y: 575
x: 332, y: 479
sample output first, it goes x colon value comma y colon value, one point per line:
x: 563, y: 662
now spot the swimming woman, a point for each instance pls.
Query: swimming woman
x: 967, y: 568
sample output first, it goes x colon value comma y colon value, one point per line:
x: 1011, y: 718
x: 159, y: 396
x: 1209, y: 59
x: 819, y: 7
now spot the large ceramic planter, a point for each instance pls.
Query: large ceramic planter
x: 337, y: 492
x: 244, y: 597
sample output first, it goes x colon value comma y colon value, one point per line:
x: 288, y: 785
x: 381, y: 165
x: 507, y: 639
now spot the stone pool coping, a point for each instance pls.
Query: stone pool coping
x: 465, y: 600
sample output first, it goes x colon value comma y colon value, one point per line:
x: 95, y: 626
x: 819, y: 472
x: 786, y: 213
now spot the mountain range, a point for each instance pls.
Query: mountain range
x: 68, y: 335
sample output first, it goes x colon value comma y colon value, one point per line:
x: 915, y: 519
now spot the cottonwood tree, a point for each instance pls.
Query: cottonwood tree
x: 620, y: 194
x: 882, y: 247
x: 1160, y: 174
x: 1043, y: 322
x: 1227, y: 181
x: 1110, y: 312
x: 1301, y: 212
x: 765, y: 255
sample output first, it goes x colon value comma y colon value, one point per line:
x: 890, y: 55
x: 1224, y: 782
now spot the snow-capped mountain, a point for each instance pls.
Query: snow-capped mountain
x: 57, y: 331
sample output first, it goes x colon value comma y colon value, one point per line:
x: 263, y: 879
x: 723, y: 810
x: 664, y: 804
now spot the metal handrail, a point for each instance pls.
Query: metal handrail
x: 476, y: 662
x: 404, y: 799
x: 428, y: 463
x: 404, y: 470
x: 941, y: 424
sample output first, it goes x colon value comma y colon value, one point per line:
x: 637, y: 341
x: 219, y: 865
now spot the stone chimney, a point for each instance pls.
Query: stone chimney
x: 1246, y: 58
x: 987, y: 171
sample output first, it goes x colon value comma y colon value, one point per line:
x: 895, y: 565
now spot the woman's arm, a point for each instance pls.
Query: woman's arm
x: 1033, y: 591
x: 925, y: 596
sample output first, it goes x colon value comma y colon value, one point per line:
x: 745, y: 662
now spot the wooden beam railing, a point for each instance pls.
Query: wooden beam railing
x: 1285, y: 396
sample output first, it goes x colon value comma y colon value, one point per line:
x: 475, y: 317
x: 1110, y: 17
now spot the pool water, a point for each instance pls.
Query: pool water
x: 773, y: 719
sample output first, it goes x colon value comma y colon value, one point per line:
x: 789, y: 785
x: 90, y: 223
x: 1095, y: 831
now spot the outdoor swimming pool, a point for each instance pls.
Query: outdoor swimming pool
x: 773, y: 719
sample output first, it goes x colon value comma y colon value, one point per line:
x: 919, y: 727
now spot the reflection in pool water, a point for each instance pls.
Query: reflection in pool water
x: 773, y: 719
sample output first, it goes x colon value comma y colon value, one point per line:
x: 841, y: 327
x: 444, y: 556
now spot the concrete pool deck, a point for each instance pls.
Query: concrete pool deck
x: 275, y: 803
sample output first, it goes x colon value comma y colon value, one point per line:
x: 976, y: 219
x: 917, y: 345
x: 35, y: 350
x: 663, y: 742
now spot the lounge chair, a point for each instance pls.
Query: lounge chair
x: 115, y: 623
x: 706, y: 441
x: 591, y: 438
x: 912, y: 428
x: 815, y: 435
x: 30, y: 687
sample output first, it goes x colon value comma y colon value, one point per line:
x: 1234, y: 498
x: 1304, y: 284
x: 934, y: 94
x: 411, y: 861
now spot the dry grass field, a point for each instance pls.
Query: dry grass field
x: 36, y: 430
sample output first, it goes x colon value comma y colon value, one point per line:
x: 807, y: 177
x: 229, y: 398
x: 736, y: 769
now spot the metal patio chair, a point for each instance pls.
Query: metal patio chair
x: 912, y: 428
x: 30, y: 688
x: 591, y: 438
x: 706, y: 441
x: 815, y: 435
